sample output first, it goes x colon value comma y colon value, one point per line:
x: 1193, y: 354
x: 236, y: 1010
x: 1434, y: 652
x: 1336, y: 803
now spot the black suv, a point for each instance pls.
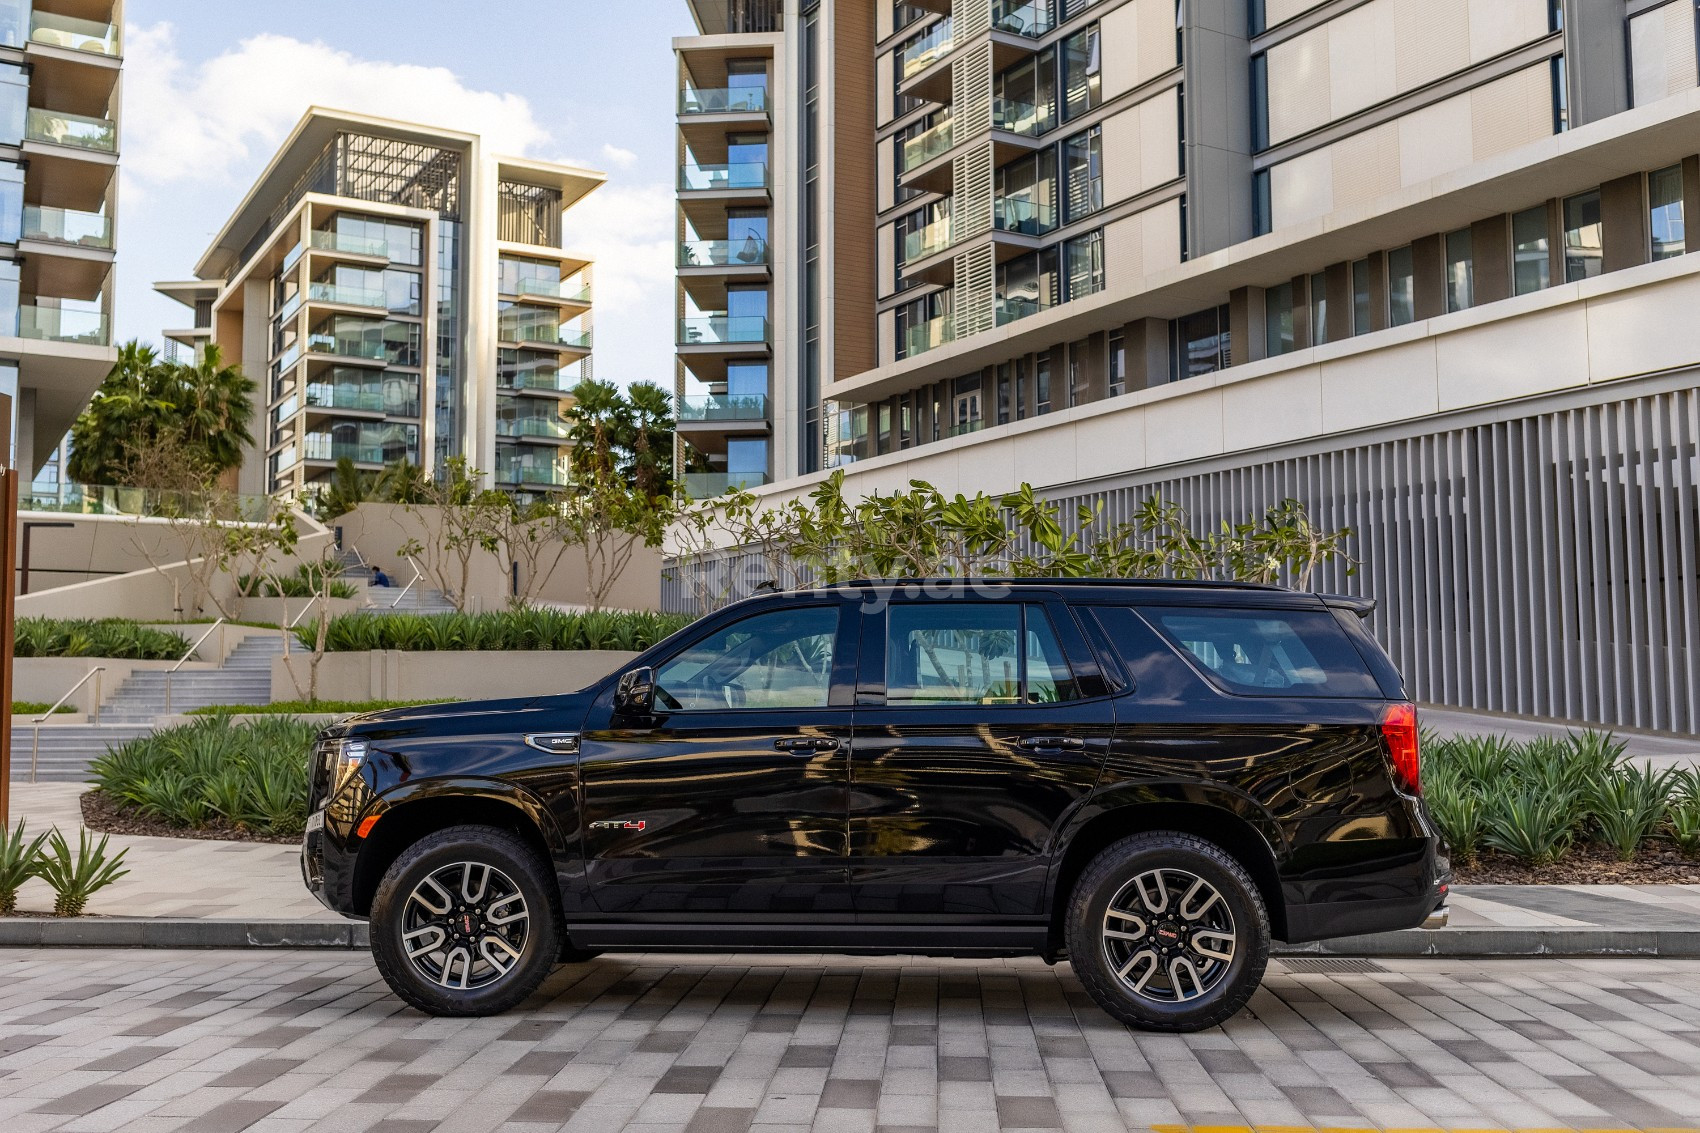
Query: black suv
x: 1151, y: 779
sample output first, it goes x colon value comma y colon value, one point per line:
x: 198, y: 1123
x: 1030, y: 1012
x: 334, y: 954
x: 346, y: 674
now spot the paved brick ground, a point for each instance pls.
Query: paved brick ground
x: 280, y: 1042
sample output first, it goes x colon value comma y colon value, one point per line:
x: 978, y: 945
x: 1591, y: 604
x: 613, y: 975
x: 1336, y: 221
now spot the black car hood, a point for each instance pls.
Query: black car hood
x: 454, y: 710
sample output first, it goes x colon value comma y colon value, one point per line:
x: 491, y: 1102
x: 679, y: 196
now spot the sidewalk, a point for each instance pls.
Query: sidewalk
x: 190, y: 893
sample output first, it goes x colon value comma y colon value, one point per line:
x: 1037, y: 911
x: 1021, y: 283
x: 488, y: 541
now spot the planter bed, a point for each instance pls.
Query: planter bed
x: 1585, y: 865
x: 104, y: 816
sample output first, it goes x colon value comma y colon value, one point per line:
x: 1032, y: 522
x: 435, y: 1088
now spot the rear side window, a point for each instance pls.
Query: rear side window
x: 973, y: 653
x: 1267, y: 652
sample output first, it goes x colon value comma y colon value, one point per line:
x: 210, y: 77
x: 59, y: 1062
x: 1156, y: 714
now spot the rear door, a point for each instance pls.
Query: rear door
x: 979, y: 726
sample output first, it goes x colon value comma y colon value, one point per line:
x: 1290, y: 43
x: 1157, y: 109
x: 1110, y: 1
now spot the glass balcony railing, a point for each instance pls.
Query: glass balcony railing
x: 723, y: 100
x: 549, y: 427
x: 1022, y: 118
x: 963, y: 428
x: 723, y: 407
x: 574, y: 338
x: 345, y: 347
x: 1031, y: 18
x: 935, y: 237
x: 571, y: 290
x: 66, y: 226
x: 934, y: 44
x: 329, y: 240
x: 710, y: 330
x: 84, y: 499
x: 544, y: 475
x: 748, y: 252
x: 1029, y: 218
x: 720, y: 178
x: 322, y: 292
x: 925, y: 146
x: 542, y: 379
x: 1019, y: 307
x: 361, y: 398
x: 708, y: 485
x: 53, y: 30
x: 76, y: 130
x: 55, y: 324
x: 929, y: 335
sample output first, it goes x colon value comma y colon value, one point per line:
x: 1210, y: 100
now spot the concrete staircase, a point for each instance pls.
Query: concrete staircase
x: 61, y: 753
x: 415, y: 601
x: 245, y: 678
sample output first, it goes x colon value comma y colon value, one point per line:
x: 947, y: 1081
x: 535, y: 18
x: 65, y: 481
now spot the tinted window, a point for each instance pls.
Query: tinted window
x: 777, y: 660
x: 1268, y: 652
x: 973, y: 653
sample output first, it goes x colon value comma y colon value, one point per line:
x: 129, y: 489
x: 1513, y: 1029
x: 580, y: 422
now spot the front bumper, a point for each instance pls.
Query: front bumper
x: 328, y: 854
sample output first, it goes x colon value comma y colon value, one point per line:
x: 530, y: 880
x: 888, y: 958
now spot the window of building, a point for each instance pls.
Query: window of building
x: 1020, y: 389
x: 1083, y: 260
x: 1259, y: 103
x: 906, y: 420
x: 1003, y: 392
x: 10, y: 297
x: 1262, y: 207
x: 1401, y: 287
x: 1025, y: 194
x: 885, y: 419
x: 14, y: 103
x: 14, y: 24
x: 1666, y: 221
x: 1025, y: 95
x: 1319, y: 308
x: 1560, y: 96
x: 1278, y: 320
x: 1027, y: 285
x: 1583, y: 237
x: 11, y: 202
x: 1082, y: 78
x: 902, y: 15
x: 1116, y: 378
x: 1042, y: 384
x: 1083, y: 173
x: 965, y: 412
x: 1460, y: 270
x: 1360, y: 297
x: 1531, y: 251
x: 1199, y: 344
x: 746, y: 459
x: 1078, y: 391
x: 1658, y: 65
x: 1257, y: 17
x: 924, y: 324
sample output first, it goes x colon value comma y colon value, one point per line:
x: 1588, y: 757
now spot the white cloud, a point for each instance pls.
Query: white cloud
x: 618, y: 157
x: 223, y: 118
x: 628, y: 231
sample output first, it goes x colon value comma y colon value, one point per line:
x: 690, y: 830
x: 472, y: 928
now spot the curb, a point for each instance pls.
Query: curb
x: 1453, y: 943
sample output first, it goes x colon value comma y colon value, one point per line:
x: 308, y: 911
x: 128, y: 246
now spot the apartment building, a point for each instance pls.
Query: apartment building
x: 1420, y: 264
x: 60, y: 83
x: 401, y: 294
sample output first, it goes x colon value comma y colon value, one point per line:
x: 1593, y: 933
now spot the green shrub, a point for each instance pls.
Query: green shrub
x: 252, y: 775
x: 1629, y: 802
x: 1458, y: 810
x: 1684, y: 822
x: 304, y: 583
x: 39, y: 708
x: 19, y: 861
x: 76, y: 879
x: 115, y: 638
x: 1531, y: 826
x: 507, y: 631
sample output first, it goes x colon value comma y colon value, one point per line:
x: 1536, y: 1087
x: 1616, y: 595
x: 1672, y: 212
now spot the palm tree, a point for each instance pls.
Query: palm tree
x: 103, y: 435
x: 215, y: 403
x: 651, y: 440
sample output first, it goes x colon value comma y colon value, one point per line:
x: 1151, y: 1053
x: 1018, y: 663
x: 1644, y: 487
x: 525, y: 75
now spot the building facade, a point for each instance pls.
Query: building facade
x: 60, y: 81
x: 401, y: 295
x: 1419, y: 264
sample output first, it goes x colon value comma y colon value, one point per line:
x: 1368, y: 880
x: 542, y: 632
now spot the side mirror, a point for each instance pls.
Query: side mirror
x: 635, y: 694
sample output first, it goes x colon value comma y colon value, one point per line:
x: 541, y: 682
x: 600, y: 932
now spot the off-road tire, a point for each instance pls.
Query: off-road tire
x: 1112, y: 873
x: 481, y: 845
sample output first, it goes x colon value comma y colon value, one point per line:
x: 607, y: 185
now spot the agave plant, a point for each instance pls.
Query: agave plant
x: 77, y: 878
x: 19, y: 861
x: 1684, y: 823
x: 1533, y: 827
x: 1628, y: 805
x: 1459, y: 811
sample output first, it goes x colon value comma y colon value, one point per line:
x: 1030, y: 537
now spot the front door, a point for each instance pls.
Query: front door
x: 728, y: 802
x: 975, y: 738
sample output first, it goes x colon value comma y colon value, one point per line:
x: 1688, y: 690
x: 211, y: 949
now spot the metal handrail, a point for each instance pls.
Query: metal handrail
x: 305, y: 610
x: 180, y: 661
x: 57, y: 704
x: 417, y: 575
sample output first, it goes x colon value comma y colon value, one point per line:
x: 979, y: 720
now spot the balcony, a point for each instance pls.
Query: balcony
x: 77, y: 131
x: 1024, y: 217
x: 321, y: 448
x: 359, y: 397
x: 52, y: 30
x: 566, y: 290
x: 723, y: 178
x: 722, y: 407
x: 719, y: 330
x: 1031, y: 18
x: 67, y: 226
x: 748, y: 252
x: 723, y: 100
x: 1017, y: 307
x: 323, y: 292
x: 963, y: 428
x: 545, y: 475
x: 55, y: 324
x: 931, y: 46
x: 344, y: 347
x: 329, y: 240
x: 934, y: 238
x: 548, y: 428
x: 541, y: 380
x: 929, y: 335
x: 1022, y: 118
x: 925, y: 146
x: 709, y: 485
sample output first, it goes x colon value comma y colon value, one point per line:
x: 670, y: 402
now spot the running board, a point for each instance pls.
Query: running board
x: 931, y: 940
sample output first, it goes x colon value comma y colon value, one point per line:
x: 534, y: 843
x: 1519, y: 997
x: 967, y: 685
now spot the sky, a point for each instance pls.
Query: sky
x: 211, y: 88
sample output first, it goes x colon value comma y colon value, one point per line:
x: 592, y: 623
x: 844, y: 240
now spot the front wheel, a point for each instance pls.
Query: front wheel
x: 465, y: 922
x: 1167, y: 932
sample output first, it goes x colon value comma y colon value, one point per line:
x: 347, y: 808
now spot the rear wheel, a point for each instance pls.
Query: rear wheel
x: 1168, y: 932
x: 466, y: 922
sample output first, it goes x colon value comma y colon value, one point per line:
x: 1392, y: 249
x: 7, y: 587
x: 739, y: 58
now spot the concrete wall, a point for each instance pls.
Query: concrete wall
x: 380, y: 530
x: 392, y: 675
x: 46, y: 679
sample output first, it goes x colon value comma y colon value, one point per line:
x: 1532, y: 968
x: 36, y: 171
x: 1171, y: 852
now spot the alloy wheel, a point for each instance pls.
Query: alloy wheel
x: 1168, y: 936
x: 464, y: 927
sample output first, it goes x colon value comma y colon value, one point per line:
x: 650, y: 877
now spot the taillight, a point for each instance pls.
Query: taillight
x: 1399, y: 734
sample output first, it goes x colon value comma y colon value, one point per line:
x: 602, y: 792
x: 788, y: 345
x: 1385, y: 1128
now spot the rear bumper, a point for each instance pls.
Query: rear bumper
x: 1408, y: 889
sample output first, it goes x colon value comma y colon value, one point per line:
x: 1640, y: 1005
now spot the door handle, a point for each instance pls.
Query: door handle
x: 1052, y: 743
x: 808, y: 744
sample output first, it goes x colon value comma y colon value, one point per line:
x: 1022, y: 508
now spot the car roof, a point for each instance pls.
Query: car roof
x: 1114, y: 590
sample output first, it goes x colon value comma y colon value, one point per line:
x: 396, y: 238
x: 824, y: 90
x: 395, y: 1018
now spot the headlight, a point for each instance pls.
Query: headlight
x: 344, y: 757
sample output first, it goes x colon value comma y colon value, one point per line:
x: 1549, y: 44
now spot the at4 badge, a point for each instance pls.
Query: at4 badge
x: 620, y: 824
